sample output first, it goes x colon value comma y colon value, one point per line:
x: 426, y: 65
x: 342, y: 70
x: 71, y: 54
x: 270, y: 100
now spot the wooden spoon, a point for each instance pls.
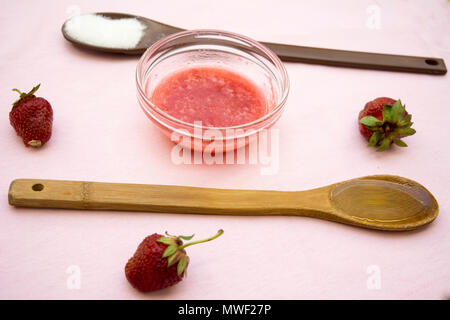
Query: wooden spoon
x: 378, y: 202
x: 352, y: 59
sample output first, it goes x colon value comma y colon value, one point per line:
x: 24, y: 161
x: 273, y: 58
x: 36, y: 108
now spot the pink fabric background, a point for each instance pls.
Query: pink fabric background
x: 100, y: 134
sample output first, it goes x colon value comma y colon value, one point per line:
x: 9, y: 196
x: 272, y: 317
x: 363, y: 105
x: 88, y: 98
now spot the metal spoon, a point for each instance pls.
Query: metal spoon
x: 353, y: 59
x: 381, y: 202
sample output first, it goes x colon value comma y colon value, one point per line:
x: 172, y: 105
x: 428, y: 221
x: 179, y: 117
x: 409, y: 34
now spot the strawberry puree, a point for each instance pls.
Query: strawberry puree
x: 215, y: 96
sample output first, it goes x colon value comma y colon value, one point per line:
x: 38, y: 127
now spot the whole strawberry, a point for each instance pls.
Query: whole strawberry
x: 32, y: 118
x: 384, y: 121
x: 160, y: 261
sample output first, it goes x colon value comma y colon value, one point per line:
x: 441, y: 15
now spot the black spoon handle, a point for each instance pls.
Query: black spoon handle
x: 356, y: 59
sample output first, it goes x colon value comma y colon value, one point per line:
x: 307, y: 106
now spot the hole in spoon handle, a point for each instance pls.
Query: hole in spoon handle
x: 37, y: 187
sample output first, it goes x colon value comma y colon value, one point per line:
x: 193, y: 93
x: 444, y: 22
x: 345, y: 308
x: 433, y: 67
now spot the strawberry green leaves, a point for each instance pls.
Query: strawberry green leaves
x: 187, y: 238
x: 405, y: 121
x: 175, y: 253
x: 397, y: 112
x: 24, y: 95
x: 375, y: 138
x: 166, y: 240
x: 406, y: 131
x: 400, y: 143
x: 371, y: 122
x: 170, y: 251
x: 175, y: 258
x: 181, y: 267
x: 394, y: 125
x: 387, y: 113
x: 384, y: 144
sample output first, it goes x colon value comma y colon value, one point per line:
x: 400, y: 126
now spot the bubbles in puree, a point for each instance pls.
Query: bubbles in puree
x: 215, y: 96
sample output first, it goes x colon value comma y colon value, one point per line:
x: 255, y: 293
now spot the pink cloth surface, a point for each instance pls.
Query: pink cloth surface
x: 100, y: 134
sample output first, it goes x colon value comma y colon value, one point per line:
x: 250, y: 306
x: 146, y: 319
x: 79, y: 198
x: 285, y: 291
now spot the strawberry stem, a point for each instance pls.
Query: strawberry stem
x: 24, y: 95
x: 218, y: 234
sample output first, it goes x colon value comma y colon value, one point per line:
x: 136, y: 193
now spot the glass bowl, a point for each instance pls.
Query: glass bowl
x: 218, y: 49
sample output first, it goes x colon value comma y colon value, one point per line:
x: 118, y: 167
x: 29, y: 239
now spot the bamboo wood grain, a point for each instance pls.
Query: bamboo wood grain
x: 84, y: 195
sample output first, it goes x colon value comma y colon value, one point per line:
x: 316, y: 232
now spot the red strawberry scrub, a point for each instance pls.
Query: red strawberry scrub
x: 214, y: 96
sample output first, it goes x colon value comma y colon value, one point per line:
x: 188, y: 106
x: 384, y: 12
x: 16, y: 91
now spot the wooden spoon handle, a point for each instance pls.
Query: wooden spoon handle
x: 158, y: 198
x: 357, y: 59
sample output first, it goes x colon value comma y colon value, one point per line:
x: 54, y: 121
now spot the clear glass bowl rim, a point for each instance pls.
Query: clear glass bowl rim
x: 273, y: 57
